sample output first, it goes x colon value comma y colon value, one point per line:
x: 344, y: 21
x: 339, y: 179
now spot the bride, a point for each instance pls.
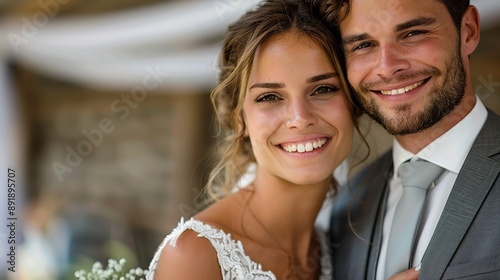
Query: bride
x: 284, y: 108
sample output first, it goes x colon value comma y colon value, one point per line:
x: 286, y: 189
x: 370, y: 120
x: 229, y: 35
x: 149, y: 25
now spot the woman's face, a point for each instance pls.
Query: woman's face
x: 295, y: 111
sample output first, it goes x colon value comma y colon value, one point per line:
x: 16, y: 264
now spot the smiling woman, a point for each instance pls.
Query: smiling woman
x: 283, y: 107
x: 292, y: 106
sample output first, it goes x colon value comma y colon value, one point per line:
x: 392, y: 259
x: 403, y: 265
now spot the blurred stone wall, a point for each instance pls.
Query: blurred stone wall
x: 106, y: 177
x: 134, y: 166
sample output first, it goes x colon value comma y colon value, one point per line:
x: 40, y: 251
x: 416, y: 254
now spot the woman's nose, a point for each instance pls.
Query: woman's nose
x: 300, y: 115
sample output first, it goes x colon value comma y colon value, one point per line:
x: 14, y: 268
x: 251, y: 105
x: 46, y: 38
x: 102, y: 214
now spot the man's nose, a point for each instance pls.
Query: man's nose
x: 391, y: 60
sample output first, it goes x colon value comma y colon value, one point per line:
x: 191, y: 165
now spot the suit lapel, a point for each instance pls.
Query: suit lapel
x: 471, y: 188
x: 368, y: 219
x: 377, y: 235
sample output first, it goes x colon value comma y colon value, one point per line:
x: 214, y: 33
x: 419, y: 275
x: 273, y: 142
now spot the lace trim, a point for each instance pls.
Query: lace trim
x: 234, y: 263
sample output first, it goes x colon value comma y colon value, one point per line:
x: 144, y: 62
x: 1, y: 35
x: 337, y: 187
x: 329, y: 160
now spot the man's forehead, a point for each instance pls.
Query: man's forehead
x: 382, y: 8
x: 369, y: 14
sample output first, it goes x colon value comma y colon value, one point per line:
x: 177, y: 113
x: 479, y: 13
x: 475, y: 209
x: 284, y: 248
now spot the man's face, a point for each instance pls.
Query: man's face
x: 404, y: 62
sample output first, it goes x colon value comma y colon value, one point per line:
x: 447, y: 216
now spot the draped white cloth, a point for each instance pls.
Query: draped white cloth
x: 115, y: 50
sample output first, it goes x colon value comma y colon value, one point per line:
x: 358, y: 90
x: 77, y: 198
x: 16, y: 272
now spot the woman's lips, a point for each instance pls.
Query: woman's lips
x: 303, y: 147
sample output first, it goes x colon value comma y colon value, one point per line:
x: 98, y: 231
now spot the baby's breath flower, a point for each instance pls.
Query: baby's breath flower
x: 138, y: 271
x: 114, y: 271
x: 97, y: 267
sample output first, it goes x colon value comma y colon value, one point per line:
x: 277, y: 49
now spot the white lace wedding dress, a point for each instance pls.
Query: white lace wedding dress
x: 233, y: 261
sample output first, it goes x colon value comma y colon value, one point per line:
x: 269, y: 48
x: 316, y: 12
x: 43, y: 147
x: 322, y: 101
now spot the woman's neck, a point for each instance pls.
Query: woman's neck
x: 284, y: 215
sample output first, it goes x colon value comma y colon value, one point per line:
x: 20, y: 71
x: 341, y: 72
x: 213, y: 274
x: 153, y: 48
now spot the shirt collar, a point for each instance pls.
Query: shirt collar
x: 450, y: 149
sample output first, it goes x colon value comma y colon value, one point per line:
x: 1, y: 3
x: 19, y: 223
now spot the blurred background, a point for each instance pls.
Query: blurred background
x: 106, y: 124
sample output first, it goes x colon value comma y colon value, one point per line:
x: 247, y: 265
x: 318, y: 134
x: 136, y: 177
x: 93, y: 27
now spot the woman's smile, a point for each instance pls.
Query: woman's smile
x: 304, y: 147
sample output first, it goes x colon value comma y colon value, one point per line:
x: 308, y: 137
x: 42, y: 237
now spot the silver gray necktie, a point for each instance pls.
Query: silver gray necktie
x: 416, y: 177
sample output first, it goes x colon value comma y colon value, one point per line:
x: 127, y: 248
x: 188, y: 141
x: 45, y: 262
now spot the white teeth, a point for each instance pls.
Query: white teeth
x: 401, y: 90
x: 304, y: 147
x: 309, y: 147
x: 301, y: 148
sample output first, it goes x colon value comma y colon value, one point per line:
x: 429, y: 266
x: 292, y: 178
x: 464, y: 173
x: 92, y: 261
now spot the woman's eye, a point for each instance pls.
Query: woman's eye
x: 327, y: 89
x: 267, y: 97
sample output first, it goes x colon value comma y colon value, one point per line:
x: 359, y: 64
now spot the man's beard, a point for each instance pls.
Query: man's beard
x: 443, y: 99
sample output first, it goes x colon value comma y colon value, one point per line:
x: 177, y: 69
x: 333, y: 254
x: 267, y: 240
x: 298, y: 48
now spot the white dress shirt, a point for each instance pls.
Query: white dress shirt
x: 448, y: 151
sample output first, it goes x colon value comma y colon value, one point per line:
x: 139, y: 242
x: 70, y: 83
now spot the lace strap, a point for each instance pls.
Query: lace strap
x: 234, y: 263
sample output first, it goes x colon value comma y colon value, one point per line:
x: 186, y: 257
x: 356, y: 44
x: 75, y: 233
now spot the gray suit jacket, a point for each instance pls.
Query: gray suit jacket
x: 466, y: 243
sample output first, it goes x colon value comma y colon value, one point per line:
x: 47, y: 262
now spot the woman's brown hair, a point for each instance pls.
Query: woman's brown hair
x: 243, y: 37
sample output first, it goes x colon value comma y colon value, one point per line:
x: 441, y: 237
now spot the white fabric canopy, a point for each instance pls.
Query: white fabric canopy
x: 115, y: 50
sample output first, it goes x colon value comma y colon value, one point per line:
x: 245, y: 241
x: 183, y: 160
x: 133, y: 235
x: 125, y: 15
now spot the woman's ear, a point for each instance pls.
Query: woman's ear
x: 245, y: 132
x: 470, y: 30
x: 240, y: 125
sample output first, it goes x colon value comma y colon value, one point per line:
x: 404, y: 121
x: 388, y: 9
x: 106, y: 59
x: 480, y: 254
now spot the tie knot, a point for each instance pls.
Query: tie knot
x: 418, y: 173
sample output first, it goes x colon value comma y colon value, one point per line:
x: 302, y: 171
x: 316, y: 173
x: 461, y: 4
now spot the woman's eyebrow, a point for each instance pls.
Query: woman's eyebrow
x: 314, y: 79
x: 322, y: 77
x: 268, y: 85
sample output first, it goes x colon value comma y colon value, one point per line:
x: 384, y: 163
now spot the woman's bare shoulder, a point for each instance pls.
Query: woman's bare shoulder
x: 192, y: 257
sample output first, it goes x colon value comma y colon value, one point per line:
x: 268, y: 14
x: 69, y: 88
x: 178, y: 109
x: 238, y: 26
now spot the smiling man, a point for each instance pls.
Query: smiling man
x: 408, y: 62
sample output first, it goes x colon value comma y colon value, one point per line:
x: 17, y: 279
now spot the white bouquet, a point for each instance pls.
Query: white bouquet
x: 114, y: 271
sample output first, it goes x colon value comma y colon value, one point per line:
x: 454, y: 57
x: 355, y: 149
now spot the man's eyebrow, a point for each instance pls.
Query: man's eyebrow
x: 398, y: 28
x: 414, y: 22
x: 322, y: 77
x: 267, y: 85
x: 351, y: 39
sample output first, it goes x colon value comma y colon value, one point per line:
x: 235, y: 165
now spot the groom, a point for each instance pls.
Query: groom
x: 408, y: 62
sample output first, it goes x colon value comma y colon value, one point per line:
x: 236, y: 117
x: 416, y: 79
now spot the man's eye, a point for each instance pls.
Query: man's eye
x: 415, y: 33
x: 267, y: 97
x: 362, y: 46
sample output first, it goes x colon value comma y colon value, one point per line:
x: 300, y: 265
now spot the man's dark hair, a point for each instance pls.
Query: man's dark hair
x: 337, y: 10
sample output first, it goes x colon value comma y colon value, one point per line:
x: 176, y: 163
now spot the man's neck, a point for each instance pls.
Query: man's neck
x: 417, y: 141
